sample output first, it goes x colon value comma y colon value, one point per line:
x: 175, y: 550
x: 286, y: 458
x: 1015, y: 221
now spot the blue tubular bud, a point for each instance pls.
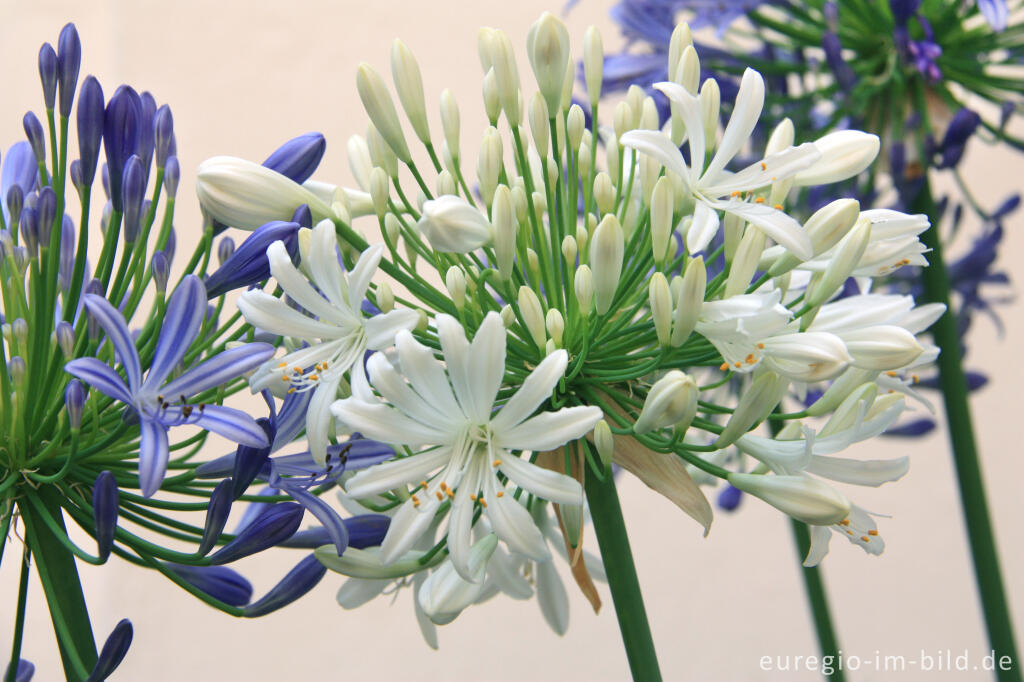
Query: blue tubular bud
x: 303, y: 216
x: 23, y: 673
x: 161, y: 271
x: 15, y: 200
x: 216, y: 516
x: 104, y: 511
x: 163, y: 134
x: 299, y: 157
x: 844, y: 73
x: 911, y: 429
x: 48, y: 74
x: 113, y: 652
x: 220, y: 582
x: 36, y: 136
x: 75, y: 171
x: 65, y: 335
x: 954, y: 142
x: 66, y: 263
x: 74, y: 397
x: 248, y: 264
x: 225, y: 248
x: 90, y: 127
x: 300, y: 580
x: 46, y: 211
x: 365, y: 530
x: 730, y: 497
x: 29, y: 227
x: 133, y: 189
x: 69, y: 59
x: 172, y: 174
x: 278, y: 522
x: 120, y: 136
x: 147, y: 127
x: 249, y: 461
x: 903, y: 10
x: 105, y: 175
x: 171, y: 245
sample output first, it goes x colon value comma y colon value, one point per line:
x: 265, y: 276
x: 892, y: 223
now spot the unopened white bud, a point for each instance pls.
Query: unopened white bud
x: 380, y: 153
x: 824, y: 228
x: 381, y: 110
x: 606, y: 253
x: 455, y: 282
x: 681, y: 39
x: 744, y: 263
x: 604, y: 443
x: 583, y: 284
x: 379, y: 191
x: 450, y: 121
x: 539, y: 123
x: 882, y: 347
x: 710, y: 104
x: 569, y: 250
x: 547, y: 45
x: 385, y: 297
x: 585, y: 160
x: 801, y: 497
x: 840, y: 389
x: 446, y: 183
x: 662, y: 203
x: 575, y: 126
x: 567, y: 85
x: 847, y: 257
x: 392, y: 228
x: 533, y: 263
x: 583, y: 233
x: 781, y: 138
x: 508, y: 315
x: 756, y: 402
x: 359, y: 161
x: 555, y: 324
x: 604, y: 193
x: 593, y: 63
x: 672, y: 399
x: 492, y: 100
x: 635, y: 96
x: 519, y: 203
x: 505, y: 230
x: 689, y: 301
x: 533, y: 315
x: 844, y: 153
x: 649, y: 117
x: 507, y: 76
x: 661, y: 307
x: 488, y: 164
x: 445, y: 593
x: 687, y: 72
x: 454, y: 225
x: 613, y: 155
x: 622, y: 119
x: 409, y: 86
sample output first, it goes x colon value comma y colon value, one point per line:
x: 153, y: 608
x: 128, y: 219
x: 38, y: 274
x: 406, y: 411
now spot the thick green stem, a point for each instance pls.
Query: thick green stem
x: 618, y: 565
x: 965, y: 453
x: 818, y: 601
x: 62, y: 587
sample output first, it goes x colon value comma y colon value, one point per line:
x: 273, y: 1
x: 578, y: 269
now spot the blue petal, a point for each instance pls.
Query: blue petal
x: 291, y: 419
x: 113, y: 652
x: 117, y: 331
x: 100, y: 376
x: 216, y: 516
x: 219, y: 582
x: 331, y: 520
x: 276, y: 523
x: 24, y: 672
x: 235, y: 425
x: 255, y: 509
x: 220, y: 369
x: 300, y: 580
x: 248, y: 264
x: 299, y: 157
x: 181, y: 324
x: 153, y: 453
x: 365, y: 530
x: 250, y: 461
x: 19, y: 169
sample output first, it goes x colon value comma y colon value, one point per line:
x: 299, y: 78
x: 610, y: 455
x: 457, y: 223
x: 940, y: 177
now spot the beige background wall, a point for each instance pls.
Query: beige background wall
x: 242, y: 77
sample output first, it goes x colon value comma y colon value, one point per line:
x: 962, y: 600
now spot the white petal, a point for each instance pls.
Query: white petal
x: 552, y: 598
x: 693, y: 119
x: 386, y: 424
x: 772, y: 168
x: 426, y: 374
x: 535, y: 389
x: 745, y: 113
x: 843, y: 154
x: 513, y: 524
x: 355, y: 592
x: 656, y: 145
x: 504, y: 570
x: 362, y: 273
x: 460, y: 522
x: 381, y: 329
x: 544, y: 483
x: 784, y: 229
x: 318, y: 419
x: 407, y: 525
x: 397, y: 472
x: 550, y: 430
x: 703, y: 227
x: 324, y: 266
x: 390, y: 384
x: 298, y: 288
x: 872, y: 472
x: 456, y: 353
x: 820, y: 537
x: 485, y: 365
x: 274, y: 315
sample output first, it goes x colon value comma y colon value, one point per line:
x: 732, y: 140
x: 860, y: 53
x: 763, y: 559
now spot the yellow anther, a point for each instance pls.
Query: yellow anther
x: 892, y: 374
x: 724, y: 366
x: 777, y: 207
x: 738, y: 364
x: 483, y: 503
x: 314, y: 377
x: 439, y: 495
x: 759, y: 200
x: 764, y: 166
x: 735, y: 193
x: 750, y: 359
x: 291, y: 390
x: 283, y: 364
x: 760, y: 346
x: 496, y: 463
x: 844, y: 522
x: 472, y: 497
x: 872, y: 532
x: 501, y: 493
x: 865, y: 538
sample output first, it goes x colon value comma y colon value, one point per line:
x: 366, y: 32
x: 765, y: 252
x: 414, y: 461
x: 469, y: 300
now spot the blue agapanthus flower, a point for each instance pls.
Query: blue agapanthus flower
x: 157, y: 403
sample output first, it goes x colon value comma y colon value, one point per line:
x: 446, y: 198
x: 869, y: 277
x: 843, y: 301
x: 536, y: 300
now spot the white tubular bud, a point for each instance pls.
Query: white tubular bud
x: 508, y: 316
x: 585, y: 161
x: 801, y: 497
x: 381, y: 110
x: 661, y: 307
x: 672, y: 399
x: 613, y: 155
x: 385, y: 297
x: 687, y: 72
x: 604, y: 443
x: 449, y: 162
x: 445, y: 593
x: 744, y: 264
x: 547, y: 45
x: 576, y: 126
x: 492, y: 99
x: 635, y: 96
x: 882, y: 347
x: 848, y: 412
x: 539, y: 123
x: 359, y: 161
x: 825, y: 228
x: 533, y: 315
x: 446, y: 183
x: 409, y: 86
x: 757, y: 401
x: 505, y: 230
x: 623, y: 119
x: 781, y: 138
x: 710, y: 104
x: 455, y: 282
x: 533, y: 263
x: 583, y: 284
x: 488, y: 164
x: 606, y: 253
x: 604, y: 193
x: 519, y: 203
x: 484, y: 49
x: 662, y: 204
x: 540, y: 206
x: 583, y: 233
x: 732, y: 230
x: 507, y: 76
x: 380, y: 153
x: 392, y: 228
x: 848, y: 255
x: 453, y: 225
x: 537, y: 168
x: 559, y: 141
x: 450, y: 121
x: 569, y: 250
x: 552, y: 172
x: 380, y: 188
x: 593, y: 63
x: 650, y: 169
x: 843, y: 154
x: 681, y: 39
x: 842, y: 387
x: 649, y: 118
x: 567, y: 85
x: 689, y: 301
x: 555, y: 324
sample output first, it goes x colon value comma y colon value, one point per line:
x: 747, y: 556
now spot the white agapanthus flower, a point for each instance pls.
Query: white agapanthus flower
x: 335, y: 334
x: 447, y: 412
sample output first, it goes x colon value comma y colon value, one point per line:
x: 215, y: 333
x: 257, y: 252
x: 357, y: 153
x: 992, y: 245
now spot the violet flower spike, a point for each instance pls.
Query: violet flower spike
x: 162, y: 404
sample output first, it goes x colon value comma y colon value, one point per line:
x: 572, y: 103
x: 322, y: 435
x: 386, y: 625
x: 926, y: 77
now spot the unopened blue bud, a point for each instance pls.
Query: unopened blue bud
x: 303, y: 216
x: 21, y: 258
x: 172, y: 174
x: 90, y: 127
x: 66, y: 263
x: 147, y: 121
x: 46, y: 212
x: 161, y: 271
x: 954, y: 142
x: 75, y: 171
x: 36, y: 136
x: 1008, y: 206
x: 276, y: 523
x: 74, y: 397
x: 248, y: 264
x: 216, y: 516
x: 92, y: 326
x: 104, y: 511
x: 108, y: 213
x: 844, y: 73
x: 48, y: 74
x: 299, y: 157
x: 730, y: 497
x: 225, y: 248
x: 365, y: 530
x: 24, y: 671
x: 163, y: 133
x: 69, y: 59
x: 903, y: 10
x: 113, y: 652
x: 64, y: 334
x: 171, y: 245
x: 105, y: 178
x: 220, y: 582
x: 29, y: 227
x: 15, y: 200
x: 912, y: 429
x: 120, y: 136
x: 300, y: 580
x: 133, y: 189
